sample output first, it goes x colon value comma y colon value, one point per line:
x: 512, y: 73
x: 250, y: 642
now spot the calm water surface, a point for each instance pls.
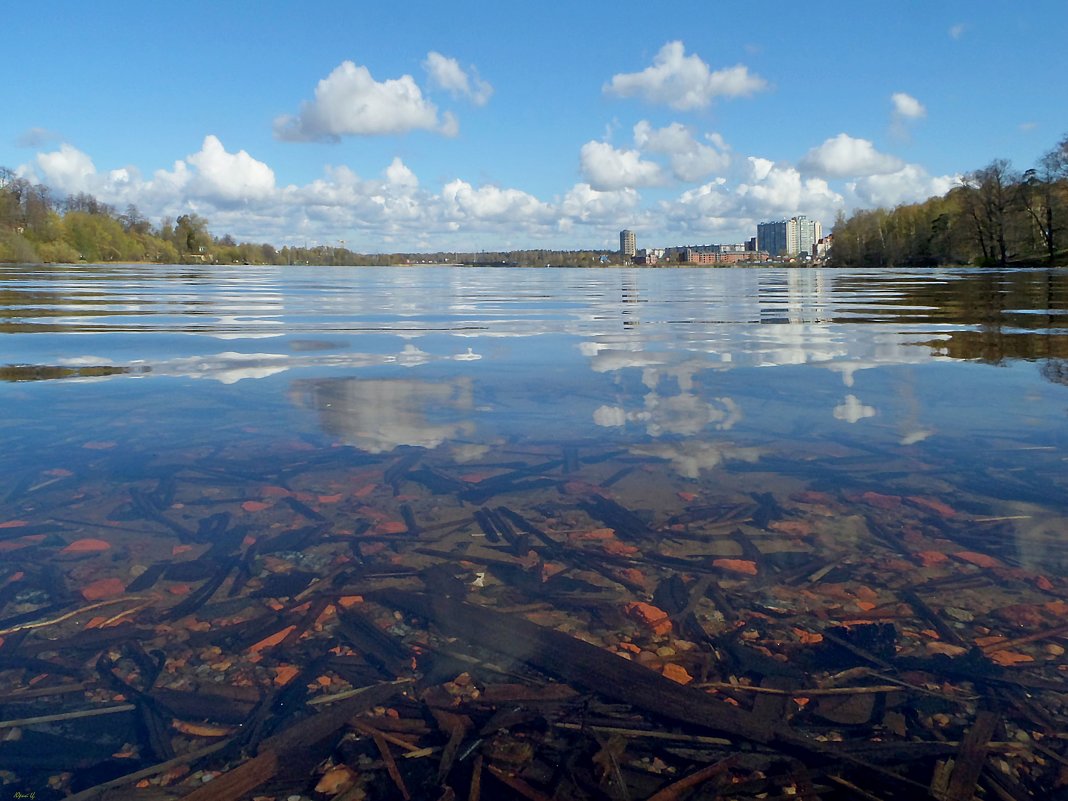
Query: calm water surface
x: 949, y: 382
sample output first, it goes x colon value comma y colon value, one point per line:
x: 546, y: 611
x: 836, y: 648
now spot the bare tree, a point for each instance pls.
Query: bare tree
x: 989, y: 204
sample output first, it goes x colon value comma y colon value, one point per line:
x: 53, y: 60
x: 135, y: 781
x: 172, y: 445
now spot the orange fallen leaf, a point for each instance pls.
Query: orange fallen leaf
x: 978, y: 559
x: 652, y: 616
x: 1010, y: 658
x: 103, y: 588
x: 745, y: 566
x: 676, y: 673
x: 933, y: 505
x: 274, y: 492
x: 202, y: 729
x: 633, y: 575
x: 689, y: 497
x: 21, y: 542
x: 283, y: 674
x: 944, y: 648
x: 179, y: 589
x: 255, y: 506
x: 992, y: 639
x: 629, y: 646
x: 550, y: 569
x: 808, y: 637
x: 14, y: 524
x: 88, y: 545
x: 271, y: 640
x: 365, y: 490
x: 796, y: 528
x: 345, y: 601
x: 593, y: 534
x: 1043, y: 583
x: 336, y: 780
x: 177, y: 549
x: 931, y: 558
x: 330, y: 498
x: 1058, y: 607
x: 880, y: 501
x: 618, y: 548
x: 391, y: 527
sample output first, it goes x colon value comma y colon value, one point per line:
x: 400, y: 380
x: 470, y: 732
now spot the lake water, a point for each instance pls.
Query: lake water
x: 780, y: 418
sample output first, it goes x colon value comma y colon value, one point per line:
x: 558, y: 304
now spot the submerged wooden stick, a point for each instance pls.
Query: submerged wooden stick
x: 80, y: 713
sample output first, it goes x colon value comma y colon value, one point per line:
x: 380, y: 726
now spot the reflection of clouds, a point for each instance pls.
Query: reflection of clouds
x: 912, y: 437
x: 687, y: 414
x: 675, y: 414
x: 378, y: 415
x: 684, y: 412
x: 230, y: 367
x: 689, y: 458
x: 469, y: 452
x: 852, y: 410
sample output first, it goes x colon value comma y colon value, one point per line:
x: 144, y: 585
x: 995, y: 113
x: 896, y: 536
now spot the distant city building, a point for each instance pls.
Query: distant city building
x: 650, y: 257
x: 628, y: 244
x: 791, y: 237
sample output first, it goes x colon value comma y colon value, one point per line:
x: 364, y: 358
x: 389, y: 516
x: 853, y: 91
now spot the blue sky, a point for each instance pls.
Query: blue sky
x: 479, y: 125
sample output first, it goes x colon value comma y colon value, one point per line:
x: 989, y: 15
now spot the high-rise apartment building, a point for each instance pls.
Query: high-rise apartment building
x: 791, y: 237
x: 628, y: 244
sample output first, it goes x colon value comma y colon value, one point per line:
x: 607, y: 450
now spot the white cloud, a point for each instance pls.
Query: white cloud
x: 843, y: 156
x: 774, y: 191
x: 67, y: 169
x: 229, y: 177
x: 398, y: 174
x: 583, y: 203
x: 957, y: 31
x: 907, y: 107
x: 461, y: 201
x: 684, y: 82
x: 446, y: 73
x: 607, y: 168
x: 349, y: 102
x: 690, y: 160
x: 910, y: 184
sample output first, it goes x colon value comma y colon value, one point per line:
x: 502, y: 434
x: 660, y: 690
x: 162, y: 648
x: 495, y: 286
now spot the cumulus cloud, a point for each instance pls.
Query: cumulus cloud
x: 462, y: 201
x: 690, y: 159
x: 910, y: 184
x: 68, y: 169
x: 583, y: 203
x: 843, y: 156
x: 229, y: 177
x: 957, y: 31
x: 906, y: 107
x: 350, y: 102
x: 777, y: 190
x: 606, y: 168
x: 446, y: 73
x: 684, y: 82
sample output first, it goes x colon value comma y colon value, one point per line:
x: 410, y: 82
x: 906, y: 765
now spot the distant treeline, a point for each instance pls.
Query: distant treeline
x: 995, y: 217
x: 38, y: 227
